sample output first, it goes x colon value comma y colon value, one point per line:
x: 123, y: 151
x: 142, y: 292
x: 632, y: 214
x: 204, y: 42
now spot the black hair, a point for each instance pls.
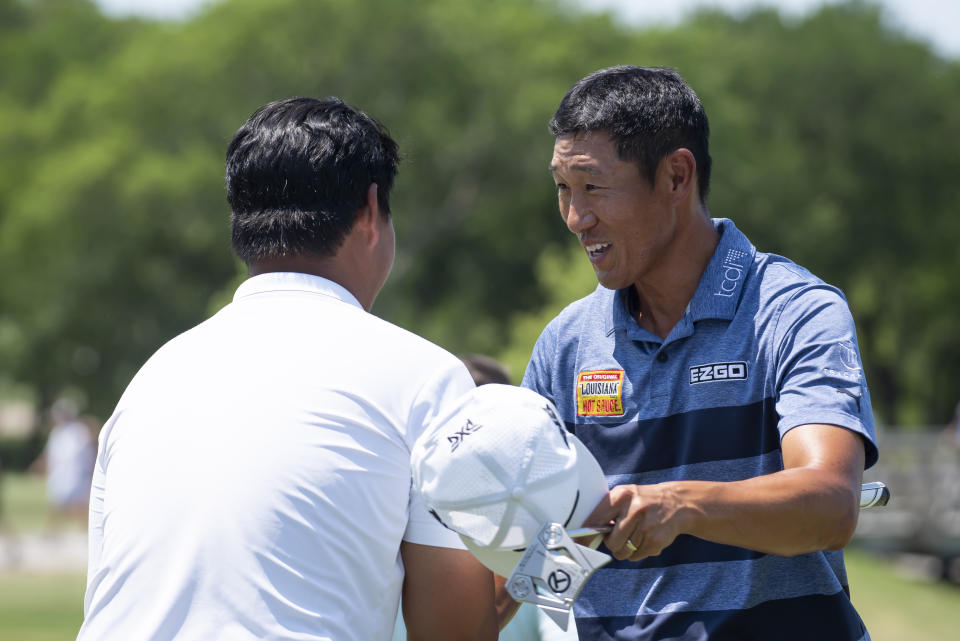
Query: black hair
x: 298, y: 172
x: 648, y: 111
x: 484, y: 369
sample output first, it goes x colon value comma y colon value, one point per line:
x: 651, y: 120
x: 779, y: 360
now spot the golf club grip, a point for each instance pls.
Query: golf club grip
x: 873, y: 494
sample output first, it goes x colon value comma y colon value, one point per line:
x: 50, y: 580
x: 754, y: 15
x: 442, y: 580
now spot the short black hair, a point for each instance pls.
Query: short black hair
x: 298, y: 172
x: 648, y: 111
x: 485, y: 370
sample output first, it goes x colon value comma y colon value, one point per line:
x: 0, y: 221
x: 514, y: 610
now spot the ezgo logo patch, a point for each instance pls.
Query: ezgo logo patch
x: 714, y: 372
x: 600, y: 393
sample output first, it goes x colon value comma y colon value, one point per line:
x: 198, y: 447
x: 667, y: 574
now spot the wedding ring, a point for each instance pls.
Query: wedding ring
x: 631, y: 546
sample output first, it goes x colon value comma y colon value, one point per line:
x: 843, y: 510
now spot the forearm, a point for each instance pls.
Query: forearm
x: 810, y: 505
x: 791, y: 512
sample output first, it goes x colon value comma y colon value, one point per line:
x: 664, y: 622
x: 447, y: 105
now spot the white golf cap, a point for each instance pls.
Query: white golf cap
x: 498, y: 465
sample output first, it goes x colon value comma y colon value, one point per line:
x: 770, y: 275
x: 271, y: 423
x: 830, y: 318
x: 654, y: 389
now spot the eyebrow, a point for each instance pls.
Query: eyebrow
x: 590, y: 169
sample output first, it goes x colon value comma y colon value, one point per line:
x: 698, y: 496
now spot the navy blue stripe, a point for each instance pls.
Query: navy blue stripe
x: 712, y: 434
x: 820, y: 617
x: 686, y: 549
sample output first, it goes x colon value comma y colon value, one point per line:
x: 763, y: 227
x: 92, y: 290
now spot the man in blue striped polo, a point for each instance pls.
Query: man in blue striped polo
x: 719, y: 387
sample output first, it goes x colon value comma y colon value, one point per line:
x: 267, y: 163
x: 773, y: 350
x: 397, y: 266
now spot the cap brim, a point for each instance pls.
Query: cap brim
x: 592, y: 488
x: 500, y: 562
x: 593, y: 485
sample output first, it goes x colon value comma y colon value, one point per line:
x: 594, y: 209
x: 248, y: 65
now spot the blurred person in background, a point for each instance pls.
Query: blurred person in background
x: 719, y: 387
x: 67, y: 461
x: 254, y: 481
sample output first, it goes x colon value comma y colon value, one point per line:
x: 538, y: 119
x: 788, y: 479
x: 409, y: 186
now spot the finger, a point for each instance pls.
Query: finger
x: 619, y: 540
x: 616, y: 507
x: 635, y: 546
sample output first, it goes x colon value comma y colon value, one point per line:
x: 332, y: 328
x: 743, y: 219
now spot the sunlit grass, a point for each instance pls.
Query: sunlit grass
x: 24, y: 502
x: 40, y: 607
x: 48, y: 606
x: 897, y: 607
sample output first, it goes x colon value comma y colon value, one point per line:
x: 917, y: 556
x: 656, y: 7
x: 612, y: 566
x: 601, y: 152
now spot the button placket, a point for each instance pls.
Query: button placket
x: 659, y: 385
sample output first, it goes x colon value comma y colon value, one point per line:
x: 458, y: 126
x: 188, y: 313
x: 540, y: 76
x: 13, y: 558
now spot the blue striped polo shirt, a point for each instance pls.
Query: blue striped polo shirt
x: 763, y: 346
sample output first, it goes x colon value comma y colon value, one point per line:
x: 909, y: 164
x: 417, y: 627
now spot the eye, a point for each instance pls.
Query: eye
x: 562, y: 187
x: 590, y: 187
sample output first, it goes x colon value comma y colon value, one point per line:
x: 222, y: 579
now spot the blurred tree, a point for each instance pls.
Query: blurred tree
x: 41, y: 44
x: 564, y: 275
x: 831, y: 147
x: 832, y: 139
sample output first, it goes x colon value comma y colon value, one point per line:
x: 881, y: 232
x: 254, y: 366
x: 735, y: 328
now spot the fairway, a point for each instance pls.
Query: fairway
x: 40, y: 607
x: 49, y: 606
x: 898, y: 608
x: 24, y: 502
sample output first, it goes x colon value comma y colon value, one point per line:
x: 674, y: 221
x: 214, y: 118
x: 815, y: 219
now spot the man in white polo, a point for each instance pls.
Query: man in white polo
x: 254, y: 481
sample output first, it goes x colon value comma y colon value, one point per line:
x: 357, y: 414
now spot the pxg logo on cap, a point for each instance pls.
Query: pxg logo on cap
x: 498, y: 466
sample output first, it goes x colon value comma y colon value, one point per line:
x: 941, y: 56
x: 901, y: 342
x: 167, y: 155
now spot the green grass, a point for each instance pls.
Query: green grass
x: 896, y: 607
x: 48, y: 607
x: 40, y: 607
x: 35, y: 606
x: 24, y: 502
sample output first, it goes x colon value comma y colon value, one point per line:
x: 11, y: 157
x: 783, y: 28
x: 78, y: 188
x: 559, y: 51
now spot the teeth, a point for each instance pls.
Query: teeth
x: 597, y: 247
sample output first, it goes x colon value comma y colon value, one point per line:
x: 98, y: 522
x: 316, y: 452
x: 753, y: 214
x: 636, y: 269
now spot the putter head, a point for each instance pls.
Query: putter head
x: 552, y: 571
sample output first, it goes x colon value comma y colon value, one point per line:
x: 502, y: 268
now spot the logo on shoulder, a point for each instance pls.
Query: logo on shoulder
x: 717, y: 372
x: 458, y: 437
x: 845, y: 363
x: 600, y: 393
x: 848, y: 356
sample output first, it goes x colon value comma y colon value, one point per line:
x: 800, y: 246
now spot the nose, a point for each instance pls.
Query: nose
x: 578, y: 216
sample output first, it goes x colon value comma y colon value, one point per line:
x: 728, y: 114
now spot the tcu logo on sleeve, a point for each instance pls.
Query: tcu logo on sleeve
x: 715, y: 372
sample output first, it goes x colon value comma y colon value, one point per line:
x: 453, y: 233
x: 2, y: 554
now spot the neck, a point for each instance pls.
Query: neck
x: 662, y: 296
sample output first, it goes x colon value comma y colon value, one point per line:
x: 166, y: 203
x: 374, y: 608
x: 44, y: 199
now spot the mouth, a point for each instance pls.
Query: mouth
x: 596, y: 251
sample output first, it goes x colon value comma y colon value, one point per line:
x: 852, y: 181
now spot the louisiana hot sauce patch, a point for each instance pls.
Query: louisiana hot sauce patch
x: 600, y: 393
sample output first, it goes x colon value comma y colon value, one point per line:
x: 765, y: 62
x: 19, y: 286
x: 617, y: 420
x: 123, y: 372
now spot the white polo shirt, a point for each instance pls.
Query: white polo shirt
x: 254, y: 481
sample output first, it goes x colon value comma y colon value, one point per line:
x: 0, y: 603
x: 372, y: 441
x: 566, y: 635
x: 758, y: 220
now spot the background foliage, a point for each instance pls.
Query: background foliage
x: 833, y: 144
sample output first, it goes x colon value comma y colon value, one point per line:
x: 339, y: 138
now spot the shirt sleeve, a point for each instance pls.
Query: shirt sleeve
x: 819, y: 373
x: 432, y: 402
x: 537, y: 376
x: 96, y: 515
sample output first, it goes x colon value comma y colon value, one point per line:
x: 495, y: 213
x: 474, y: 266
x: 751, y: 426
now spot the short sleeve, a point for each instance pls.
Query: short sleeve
x: 537, y: 376
x: 820, y: 378
x: 439, y: 392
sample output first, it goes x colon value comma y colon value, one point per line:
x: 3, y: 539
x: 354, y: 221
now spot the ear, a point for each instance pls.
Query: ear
x: 368, y: 218
x: 680, y: 169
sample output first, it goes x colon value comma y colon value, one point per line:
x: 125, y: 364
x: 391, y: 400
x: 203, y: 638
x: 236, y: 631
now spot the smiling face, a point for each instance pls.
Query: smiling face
x: 623, y: 223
